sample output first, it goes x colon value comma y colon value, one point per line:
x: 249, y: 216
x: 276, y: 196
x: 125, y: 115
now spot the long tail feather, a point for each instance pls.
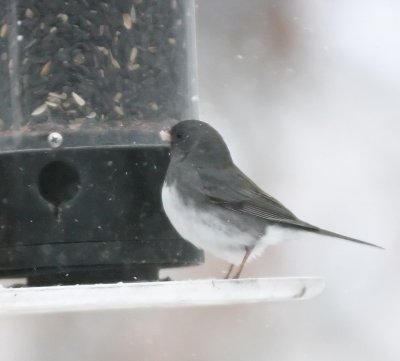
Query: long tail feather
x: 309, y: 227
x: 337, y: 235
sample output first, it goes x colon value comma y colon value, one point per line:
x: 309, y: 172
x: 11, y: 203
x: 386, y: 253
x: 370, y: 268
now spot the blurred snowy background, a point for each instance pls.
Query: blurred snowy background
x: 306, y: 95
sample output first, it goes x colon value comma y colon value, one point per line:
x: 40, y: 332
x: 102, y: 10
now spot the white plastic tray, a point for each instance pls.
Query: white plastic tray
x: 156, y: 294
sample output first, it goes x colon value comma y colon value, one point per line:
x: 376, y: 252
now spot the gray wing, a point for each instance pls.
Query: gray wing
x: 233, y: 190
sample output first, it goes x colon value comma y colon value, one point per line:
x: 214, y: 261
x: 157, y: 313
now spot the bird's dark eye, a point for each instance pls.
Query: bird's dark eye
x: 179, y: 135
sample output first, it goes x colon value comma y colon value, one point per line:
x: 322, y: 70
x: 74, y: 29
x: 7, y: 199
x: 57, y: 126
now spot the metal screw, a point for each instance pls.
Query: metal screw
x: 54, y: 139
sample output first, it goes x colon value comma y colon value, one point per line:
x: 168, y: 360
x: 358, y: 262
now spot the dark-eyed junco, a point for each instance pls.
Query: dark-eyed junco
x: 216, y: 207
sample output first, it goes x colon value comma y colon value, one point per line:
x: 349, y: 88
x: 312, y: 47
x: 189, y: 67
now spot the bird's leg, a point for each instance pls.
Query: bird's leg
x: 229, y: 271
x: 246, y: 256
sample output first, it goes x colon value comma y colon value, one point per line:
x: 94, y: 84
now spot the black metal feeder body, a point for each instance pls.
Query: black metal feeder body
x: 86, y: 87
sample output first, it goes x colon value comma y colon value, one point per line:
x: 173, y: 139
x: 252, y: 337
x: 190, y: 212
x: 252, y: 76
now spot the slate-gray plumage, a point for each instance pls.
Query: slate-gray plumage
x: 215, y: 206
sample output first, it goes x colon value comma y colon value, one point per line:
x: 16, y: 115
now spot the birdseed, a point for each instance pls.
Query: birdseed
x: 69, y: 61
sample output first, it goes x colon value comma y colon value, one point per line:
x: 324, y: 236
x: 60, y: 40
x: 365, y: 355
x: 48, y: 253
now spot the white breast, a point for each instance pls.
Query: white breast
x: 210, y: 233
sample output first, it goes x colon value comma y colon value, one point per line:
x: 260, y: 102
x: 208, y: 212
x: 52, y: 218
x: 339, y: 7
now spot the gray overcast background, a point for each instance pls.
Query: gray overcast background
x: 306, y: 95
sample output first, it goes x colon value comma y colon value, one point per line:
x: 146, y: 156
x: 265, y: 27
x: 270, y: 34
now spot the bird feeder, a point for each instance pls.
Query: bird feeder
x: 86, y: 87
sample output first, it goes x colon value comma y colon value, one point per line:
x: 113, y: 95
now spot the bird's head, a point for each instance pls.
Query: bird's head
x: 199, y: 143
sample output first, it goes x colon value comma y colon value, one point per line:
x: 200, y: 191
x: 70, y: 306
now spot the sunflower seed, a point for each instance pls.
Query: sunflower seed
x: 114, y: 62
x: 78, y: 99
x: 29, y: 13
x: 118, y: 110
x: 133, y: 14
x: 46, y: 69
x: 133, y: 55
x: 79, y: 59
x: 39, y: 110
x: 153, y: 106
x: 132, y: 67
x: 4, y: 30
x: 117, y: 97
x: 103, y: 50
x: 62, y: 96
x: 127, y: 21
x: 63, y: 17
x: 52, y: 104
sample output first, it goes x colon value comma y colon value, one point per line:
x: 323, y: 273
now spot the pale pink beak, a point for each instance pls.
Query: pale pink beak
x: 165, y: 135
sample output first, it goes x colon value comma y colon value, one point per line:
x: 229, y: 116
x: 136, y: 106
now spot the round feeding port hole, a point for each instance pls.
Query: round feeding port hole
x: 59, y: 182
